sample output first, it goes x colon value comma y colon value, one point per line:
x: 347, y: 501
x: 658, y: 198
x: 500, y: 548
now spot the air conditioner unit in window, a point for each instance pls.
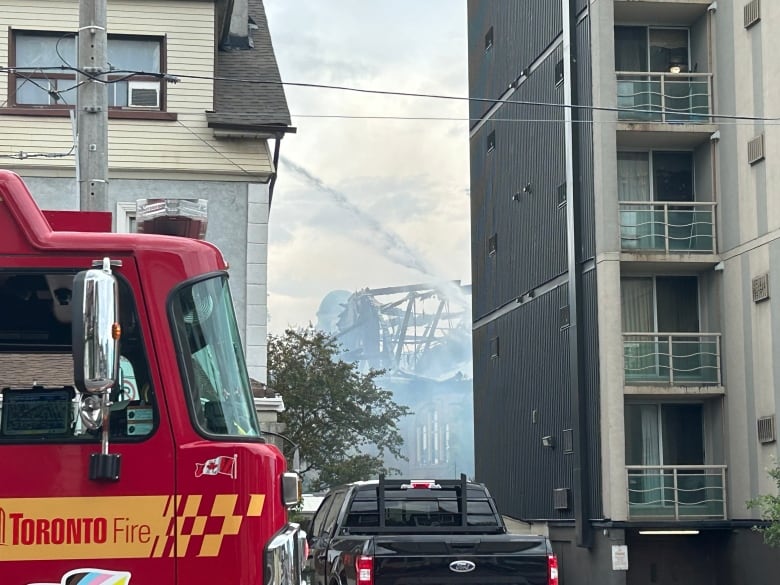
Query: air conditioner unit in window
x: 143, y: 94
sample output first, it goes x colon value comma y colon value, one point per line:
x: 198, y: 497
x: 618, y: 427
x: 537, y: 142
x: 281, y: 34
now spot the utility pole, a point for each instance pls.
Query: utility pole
x: 92, y: 107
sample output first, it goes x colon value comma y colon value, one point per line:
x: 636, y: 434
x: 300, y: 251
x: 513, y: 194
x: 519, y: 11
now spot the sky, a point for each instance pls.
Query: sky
x: 368, y: 203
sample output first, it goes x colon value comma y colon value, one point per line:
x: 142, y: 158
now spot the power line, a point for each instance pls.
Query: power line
x: 22, y: 155
x: 175, y: 77
x: 212, y: 147
x: 399, y: 117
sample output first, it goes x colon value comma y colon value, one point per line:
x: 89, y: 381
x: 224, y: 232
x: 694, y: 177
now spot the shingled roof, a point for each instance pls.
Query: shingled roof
x: 250, y: 106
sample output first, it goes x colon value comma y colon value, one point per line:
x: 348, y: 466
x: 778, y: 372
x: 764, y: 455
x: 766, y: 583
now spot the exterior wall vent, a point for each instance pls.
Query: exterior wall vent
x: 760, y: 286
x: 561, y: 498
x: 567, y: 440
x: 766, y: 429
x: 752, y: 13
x: 756, y: 149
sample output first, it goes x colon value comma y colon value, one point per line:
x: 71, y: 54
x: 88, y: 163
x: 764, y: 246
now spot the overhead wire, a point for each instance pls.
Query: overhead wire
x: 176, y: 77
x: 212, y: 147
x: 729, y: 119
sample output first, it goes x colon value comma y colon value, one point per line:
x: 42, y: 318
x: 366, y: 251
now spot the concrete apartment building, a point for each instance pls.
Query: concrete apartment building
x: 626, y: 280
x: 204, y: 137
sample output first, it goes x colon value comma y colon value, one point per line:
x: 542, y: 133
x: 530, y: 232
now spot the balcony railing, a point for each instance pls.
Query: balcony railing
x: 684, y: 359
x: 668, y: 226
x: 664, y: 97
x: 679, y: 492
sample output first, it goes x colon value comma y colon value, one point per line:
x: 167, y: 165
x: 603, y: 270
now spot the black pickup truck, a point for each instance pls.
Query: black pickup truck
x: 426, y: 532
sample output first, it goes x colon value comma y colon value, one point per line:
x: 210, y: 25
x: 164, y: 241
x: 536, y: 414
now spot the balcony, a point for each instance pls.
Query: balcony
x: 672, y: 359
x: 671, y: 98
x: 667, y: 227
x: 680, y: 492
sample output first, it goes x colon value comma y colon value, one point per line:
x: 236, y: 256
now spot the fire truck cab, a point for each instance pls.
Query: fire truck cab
x: 130, y: 448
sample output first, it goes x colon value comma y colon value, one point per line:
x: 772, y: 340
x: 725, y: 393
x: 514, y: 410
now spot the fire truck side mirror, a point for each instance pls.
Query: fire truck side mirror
x: 96, y: 330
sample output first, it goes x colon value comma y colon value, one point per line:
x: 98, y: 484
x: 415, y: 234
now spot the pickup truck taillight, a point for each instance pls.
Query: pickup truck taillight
x: 364, y: 568
x: 552, y: 570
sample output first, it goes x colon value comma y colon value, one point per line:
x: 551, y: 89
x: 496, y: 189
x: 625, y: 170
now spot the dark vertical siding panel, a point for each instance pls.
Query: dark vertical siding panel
x: 531, y: 226
x: 482, y: 222
x: 480, y: 19
x: 589, y: 313
x: 521, y: 32
x: 589, y: 309
x: 531, y: 373
x: 585, y: 135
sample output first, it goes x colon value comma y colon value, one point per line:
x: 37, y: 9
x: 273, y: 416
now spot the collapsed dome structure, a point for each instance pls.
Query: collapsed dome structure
x: 421, y: 336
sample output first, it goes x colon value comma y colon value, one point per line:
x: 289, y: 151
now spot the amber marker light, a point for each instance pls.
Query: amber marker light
x: 116, y: 331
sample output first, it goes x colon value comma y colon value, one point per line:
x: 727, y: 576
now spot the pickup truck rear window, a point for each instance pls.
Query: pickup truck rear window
x: 410, y: 508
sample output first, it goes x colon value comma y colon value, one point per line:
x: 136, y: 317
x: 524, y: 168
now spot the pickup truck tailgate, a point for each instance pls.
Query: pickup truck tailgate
x: 466, y: 559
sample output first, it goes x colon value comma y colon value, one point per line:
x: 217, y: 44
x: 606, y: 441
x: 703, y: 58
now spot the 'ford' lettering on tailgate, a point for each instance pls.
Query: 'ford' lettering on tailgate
x: 462, y: 566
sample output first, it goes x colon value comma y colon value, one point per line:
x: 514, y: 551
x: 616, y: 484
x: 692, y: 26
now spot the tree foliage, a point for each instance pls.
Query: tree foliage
x: 769, y: 505
x: 342, y: 421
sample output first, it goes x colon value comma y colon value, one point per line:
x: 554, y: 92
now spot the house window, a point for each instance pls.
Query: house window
x: 125, y: 217
x: 37, y: 84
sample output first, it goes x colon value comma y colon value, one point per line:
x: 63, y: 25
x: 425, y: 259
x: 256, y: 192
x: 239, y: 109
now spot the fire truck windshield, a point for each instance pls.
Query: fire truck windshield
x: 212, y: 360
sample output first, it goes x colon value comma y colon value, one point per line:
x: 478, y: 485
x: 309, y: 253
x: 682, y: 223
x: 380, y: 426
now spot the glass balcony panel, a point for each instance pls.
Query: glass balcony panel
x: 665, y: 227
x: 664, y: 97
x: 695, y: 360
x: 639, y: 99
x: 677, y: 492
x: 671, y: 358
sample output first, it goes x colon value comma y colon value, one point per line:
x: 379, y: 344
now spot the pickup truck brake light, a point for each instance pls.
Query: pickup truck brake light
x: 421, y: 484
x: 364, y: 567
x: 552, y: 570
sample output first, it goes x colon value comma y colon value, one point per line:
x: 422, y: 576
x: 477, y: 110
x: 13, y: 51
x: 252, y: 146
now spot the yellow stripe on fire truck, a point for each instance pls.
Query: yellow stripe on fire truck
x: 120, y: 527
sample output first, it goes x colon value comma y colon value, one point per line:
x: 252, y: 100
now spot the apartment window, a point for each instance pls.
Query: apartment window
x: 494, y: 348
x: 656, y: 49
x: 491, y: 141
x: 559, y: 72
x: 35, y: 85
x: 492, y: 245
x: 489, y: 39
x: 661, y: 303
x: 662, y: 340
x: 564, y: 317
x: 664, y: 434
x: 654, y: 189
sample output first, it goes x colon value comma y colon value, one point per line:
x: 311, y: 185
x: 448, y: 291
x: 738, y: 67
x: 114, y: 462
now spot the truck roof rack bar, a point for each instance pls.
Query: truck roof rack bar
x: 380, y: 500
x: 464, y: 513
x: 461, y: 483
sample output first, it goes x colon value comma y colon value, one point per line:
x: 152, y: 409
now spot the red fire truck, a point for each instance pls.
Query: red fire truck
x: 129, y: 443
